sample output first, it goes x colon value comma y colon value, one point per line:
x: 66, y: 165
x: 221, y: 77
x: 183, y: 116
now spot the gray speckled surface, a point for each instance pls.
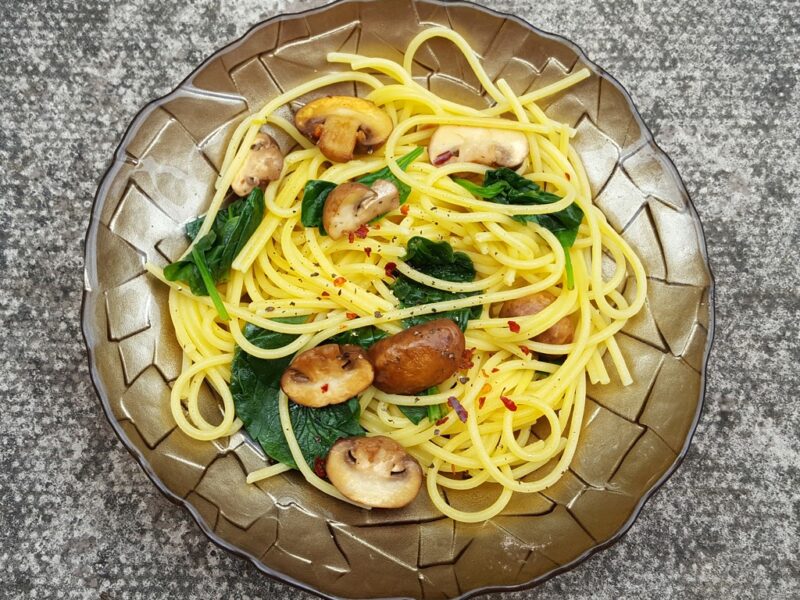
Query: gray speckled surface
x: 716, y: 81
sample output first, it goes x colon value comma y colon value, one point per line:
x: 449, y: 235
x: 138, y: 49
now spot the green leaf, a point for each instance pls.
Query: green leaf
x: 232, y: 228
x: 433, y: 413
x: 438, y: 259
x: 363, y: 336
x: 504, y: 186
x: 255, y: 383
x: 208, y: 282
x: 314, y: 195
x: 403, y: 162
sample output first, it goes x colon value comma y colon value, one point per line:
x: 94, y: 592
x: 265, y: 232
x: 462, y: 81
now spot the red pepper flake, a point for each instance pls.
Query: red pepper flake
x: 525, y: 350
x: 351, y: 316
x: 495, y: 370
x: 442, y: 158
x: 486, y: 388
x: 319, y: 468
x: 324, y: 388
x: 368, y: 251
x: 461, y: 412
x: 376, y: 226
x: 324, y: 294
x: 567, y: 176
x: 404, y: 209
x: 351, y: 237
x: 389, y: 269
x: 466, y: 359
x: 340, y: 281
x: 508, y: 402
x: 513, y: 326
x: 481, y: 401
x: 362, y: 232
x: 441, y: 421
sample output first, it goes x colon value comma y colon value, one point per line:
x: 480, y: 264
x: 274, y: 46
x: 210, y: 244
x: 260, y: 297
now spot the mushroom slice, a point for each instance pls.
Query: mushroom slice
x: 340, y: 123
x: 264, y: 162
x: 329, y: 374
x: 560, y: 333
x: 376, y: 471
x: 351, y: 205
x: 490, y: 147
x: 418, y: 357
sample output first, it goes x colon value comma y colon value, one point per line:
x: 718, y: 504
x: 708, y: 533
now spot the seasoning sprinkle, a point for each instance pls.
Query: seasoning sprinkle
x: 513, y: 326
x: 510, y: 405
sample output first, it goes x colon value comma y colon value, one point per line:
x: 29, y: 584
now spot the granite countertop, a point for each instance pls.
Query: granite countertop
x: 716, y: 81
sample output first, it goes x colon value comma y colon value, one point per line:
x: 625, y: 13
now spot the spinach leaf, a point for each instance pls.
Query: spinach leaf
x: 316, y: 190
x: 438, y: 259
x: 403, y: 162
x: 255, y: 383
x: 212, y: 255
x: 314, y: 195
x: 363, y: 336
x: 433, y: 413
x: 504, y: 186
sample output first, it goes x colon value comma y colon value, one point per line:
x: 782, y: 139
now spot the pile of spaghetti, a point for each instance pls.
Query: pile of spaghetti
x: 513, y: 412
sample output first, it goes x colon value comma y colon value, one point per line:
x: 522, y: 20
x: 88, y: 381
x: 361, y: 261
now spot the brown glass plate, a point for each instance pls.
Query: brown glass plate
x: 632, y: 438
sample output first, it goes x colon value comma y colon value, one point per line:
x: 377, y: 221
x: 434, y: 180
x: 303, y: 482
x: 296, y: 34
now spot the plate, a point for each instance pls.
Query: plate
x: 632, y: 438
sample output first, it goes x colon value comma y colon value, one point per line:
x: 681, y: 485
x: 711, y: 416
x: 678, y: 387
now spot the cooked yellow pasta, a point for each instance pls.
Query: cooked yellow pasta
x: 508, y: 385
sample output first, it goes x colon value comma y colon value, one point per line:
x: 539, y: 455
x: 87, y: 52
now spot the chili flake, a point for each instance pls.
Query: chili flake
x: 389, y: 269
x: 513, y: 326
x: 324, y: 294
x: 466, y: 359
x: 481, y: 401
x: 495, y: 370
x: 351, y: 315
x: 368, y: 251
x: 362, y: 231
x: 510, y: 405
x: 441, y: 421
x: 525, y: 350
x: 319, y: 468
x: 567, y: 176
x: 404, y: 209
x: 351, y: 237
x: 340, y: 281
x: 324, y: 388
x: 486, y: 388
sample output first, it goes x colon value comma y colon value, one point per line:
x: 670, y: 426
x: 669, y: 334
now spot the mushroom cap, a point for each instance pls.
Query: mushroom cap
x: 485, y: 146
x: 328, y: 374
x: 561, y: 333
x: 339, y: 123
x: 264, y: 162
x: 352, y: 204
x: 376, y: 471
x: 417, y: 358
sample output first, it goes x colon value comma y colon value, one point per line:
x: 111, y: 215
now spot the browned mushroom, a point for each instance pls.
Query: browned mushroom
x: 490, y: 147
x: 560, y: 333
x: 376, y: 471
x: 351, y: 205
x: 329, y: 374
x: 264, y: 162
x: 340, y: 124
x: 417, y: 358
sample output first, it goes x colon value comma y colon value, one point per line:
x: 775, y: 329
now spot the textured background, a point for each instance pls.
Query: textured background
x: 716, y: 81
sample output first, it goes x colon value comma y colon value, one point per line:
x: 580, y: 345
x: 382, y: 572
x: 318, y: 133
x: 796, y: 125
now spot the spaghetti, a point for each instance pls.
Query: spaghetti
x: 516, y: 417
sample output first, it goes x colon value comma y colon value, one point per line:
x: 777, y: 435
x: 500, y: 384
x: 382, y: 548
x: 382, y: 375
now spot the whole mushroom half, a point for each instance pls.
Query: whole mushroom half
x: 490, y: 147
x: 329, y: 374
x: 263, y: 163
x: 339, y: 124
x: 376, y: 471
x: 560, y: 333
x: 351, y: 205
x: 417, y: 358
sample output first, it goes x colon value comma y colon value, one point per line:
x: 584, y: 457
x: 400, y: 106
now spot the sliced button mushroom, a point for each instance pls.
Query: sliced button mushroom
x: 417, y: 358
x: 376, y: 471
x: 329, y: 374
x: 490, y: 147
x: 560, y: 333
x: 351, y: 205
x: 339, y: 124
x: 264, y: 163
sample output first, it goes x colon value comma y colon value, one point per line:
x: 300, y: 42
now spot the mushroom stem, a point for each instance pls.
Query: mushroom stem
x: 338, y: 138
